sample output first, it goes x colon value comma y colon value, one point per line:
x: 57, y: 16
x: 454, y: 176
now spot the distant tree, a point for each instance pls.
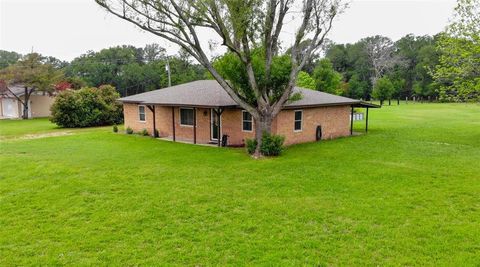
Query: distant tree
x: 55, y: 62
x: 326, y: 78
x: 418, y: 55
x: 34, y: 74
x: 337, y: 54
x: 305, y: 80
x: 153, y: 52
x: 357, y: 87
x: 8, y: 58
x: 383, y: 89
x: 381, y: 52
x: 133, y: 70
x: 458, y: 71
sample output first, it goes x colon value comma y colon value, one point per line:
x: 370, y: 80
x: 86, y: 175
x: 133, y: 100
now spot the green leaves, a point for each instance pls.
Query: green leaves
x: 87, y: 107
x: 326, y: 78
x: 458, y: 71
x: 233, y: 70
x: 383, y: 89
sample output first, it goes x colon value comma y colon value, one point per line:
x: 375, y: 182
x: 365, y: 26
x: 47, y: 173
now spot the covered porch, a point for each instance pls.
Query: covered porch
x: 188, y: 124
x: 364, y: 105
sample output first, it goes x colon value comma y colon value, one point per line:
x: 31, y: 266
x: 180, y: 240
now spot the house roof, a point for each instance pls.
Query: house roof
x: 17, y: 89
x: 209, y: 93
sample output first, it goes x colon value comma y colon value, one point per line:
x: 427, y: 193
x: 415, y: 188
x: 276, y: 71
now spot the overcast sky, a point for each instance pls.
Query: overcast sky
x: 67, y: 28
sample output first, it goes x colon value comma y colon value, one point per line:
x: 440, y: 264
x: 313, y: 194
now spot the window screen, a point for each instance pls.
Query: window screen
x: 298, y: 120
x: 247, y: 121
x: 186, y: 116
x: 141, y: 113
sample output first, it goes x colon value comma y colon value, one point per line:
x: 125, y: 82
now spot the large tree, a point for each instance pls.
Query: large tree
x: 381, y: 52
x: 34, y: 73
x: 242, y: 26
x: 458, y: 71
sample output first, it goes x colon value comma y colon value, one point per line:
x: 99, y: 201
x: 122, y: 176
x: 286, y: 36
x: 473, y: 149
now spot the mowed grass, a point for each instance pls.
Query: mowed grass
x: 408, y: 193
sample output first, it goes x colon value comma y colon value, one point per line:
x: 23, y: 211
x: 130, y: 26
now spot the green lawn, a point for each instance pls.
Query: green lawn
x: 408, y: 193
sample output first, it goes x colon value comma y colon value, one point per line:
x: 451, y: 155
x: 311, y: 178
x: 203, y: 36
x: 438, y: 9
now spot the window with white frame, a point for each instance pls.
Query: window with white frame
x: 298, y: 120
x: 141, y: 113
x: 186, y: 116
x: 247, y: 121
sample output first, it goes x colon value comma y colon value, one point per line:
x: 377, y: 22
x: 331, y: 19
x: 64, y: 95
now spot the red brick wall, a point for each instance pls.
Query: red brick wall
x: 335, y: 122
x: 232, y: 126
x: 130, y: 115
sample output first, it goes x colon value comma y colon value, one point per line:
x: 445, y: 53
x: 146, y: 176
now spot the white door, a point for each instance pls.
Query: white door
x: 214, y: 134
x: 10, y: 108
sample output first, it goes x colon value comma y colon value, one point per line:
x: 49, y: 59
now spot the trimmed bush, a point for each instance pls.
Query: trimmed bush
x: 143, y: 132
x: 87, y: 107
x: 251, y: 144
x: 272, y: 145
x: 129, y: 130
x: 115, y: 128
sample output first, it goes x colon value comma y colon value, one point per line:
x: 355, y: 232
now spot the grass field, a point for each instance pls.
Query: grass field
x: 408, y: 193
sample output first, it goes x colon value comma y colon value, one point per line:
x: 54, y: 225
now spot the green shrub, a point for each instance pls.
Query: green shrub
x: 272, y: 145
x: 87, y: 107
x: 129, y: 130
x: 251, y: 144
x: 143, y: 132
x: 115, y: 128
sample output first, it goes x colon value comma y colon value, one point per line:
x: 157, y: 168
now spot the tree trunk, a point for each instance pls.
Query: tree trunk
x: 25, y: 104
x: 262, y: 125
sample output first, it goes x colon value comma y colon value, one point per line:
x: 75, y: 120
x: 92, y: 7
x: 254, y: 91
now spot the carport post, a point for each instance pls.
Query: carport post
x: 173, y: 123
x: 152, y: 109
x: 351, y: 121
x: 366, y: 122
x: 194, y: 125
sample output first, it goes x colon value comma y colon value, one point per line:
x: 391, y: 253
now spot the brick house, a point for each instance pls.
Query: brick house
x: 202, y: 112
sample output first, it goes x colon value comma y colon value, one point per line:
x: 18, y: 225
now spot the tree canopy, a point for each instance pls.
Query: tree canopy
x: 458, y: 72
x: 35, y: 73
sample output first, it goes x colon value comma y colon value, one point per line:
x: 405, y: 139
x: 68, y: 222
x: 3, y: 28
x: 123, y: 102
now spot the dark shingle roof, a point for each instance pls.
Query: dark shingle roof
x: 209, y: 93
x: 17, y: 89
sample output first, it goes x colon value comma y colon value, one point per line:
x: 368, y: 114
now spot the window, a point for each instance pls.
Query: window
x: 186, y: 116
x: 141, y: 113
x: 247, y: 122
x: 298, y: 120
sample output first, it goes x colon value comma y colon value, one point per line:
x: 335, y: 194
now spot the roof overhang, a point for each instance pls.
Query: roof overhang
x: 363, y: 104
x: 359, y: 104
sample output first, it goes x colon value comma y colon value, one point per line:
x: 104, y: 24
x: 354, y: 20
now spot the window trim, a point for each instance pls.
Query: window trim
x: 144, y: 113
x: 301, y: 120
x: 243, y: 130
x: 180, y: 117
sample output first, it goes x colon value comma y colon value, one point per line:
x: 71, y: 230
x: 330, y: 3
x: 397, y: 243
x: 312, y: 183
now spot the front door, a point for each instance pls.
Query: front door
x: 214, y: 133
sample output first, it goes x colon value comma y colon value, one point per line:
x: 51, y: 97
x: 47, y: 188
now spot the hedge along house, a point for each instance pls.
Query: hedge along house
x: 202, y: 112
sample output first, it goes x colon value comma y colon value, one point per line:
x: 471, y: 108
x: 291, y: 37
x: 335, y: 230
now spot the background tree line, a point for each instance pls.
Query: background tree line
x: 444, y: 67
x: 131, y: 70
